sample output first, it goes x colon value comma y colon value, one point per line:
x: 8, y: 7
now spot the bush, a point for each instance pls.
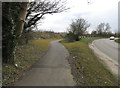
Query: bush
x: 77, y: 28
x: 70, y: 37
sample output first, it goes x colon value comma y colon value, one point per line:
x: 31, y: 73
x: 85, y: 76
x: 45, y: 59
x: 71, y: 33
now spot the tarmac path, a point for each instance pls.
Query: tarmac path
x: 52, y: 69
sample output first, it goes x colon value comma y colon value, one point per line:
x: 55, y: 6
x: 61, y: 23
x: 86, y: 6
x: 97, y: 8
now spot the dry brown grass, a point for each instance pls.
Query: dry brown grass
x: 25, y: 56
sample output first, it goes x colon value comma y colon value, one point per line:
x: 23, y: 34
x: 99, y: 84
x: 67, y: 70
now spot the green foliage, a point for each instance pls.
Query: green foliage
x: 10, y: 13
x: 89, y: 40
x: 117, y: 40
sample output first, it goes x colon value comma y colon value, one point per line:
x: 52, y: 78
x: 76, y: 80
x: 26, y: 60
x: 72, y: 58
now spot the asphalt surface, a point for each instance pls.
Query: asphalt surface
x: 52, y: 69
x: 108, y: 47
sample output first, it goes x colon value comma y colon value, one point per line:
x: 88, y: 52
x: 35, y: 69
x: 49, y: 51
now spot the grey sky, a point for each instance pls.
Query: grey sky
x: 96, y: 12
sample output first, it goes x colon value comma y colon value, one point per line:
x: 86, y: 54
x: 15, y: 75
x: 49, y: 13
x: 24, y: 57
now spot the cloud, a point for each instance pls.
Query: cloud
x: 96, y: 12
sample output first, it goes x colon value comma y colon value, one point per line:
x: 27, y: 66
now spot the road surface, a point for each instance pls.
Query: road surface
x: 52, y: 69
x: 108, y: 47
x: 107, y: 51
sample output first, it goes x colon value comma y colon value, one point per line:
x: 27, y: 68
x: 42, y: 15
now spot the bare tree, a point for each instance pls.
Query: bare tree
x: 37, y: 10
x: 94, y: 32
x: 100, y: 28
x: 21, y: 18
x: 107, y: 29
x: 78, y: 28
x: 103, y: 29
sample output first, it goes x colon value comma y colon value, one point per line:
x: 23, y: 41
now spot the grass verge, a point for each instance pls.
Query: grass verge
x: 86, y: 68
x: 25, y: 56
x: 117, y: 40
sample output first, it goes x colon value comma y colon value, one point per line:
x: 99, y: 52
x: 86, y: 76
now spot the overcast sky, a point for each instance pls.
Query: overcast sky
x: 96, y: 12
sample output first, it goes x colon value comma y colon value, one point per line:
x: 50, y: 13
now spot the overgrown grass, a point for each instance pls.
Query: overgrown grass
x: 117, y: 40
x: 25, y: 56
x: 86, y: 68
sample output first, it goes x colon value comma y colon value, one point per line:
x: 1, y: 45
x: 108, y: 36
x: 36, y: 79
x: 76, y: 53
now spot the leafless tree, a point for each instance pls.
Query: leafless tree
x: 21, y: 18
x: 103, y: 29
x: 107, y: 29
x: 37, y: 10
x: 78, y: 28
x: 100, y: 28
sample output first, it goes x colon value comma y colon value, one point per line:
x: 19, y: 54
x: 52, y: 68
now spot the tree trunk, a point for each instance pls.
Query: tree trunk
x: 20, y: 25
x: 21, y: 19
x: 12, y: 42
x: 7, y: 41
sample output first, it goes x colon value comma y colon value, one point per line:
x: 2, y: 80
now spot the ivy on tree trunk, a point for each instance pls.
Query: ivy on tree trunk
x: 12, y: 27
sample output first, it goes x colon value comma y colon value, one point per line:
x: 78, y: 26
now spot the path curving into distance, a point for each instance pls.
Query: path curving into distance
x: 52, y: 69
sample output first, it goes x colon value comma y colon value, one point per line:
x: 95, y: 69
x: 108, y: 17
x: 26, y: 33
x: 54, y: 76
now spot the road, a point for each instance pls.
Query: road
x: 107, y: 51
x: 52, y: 69
x: 108, y: 47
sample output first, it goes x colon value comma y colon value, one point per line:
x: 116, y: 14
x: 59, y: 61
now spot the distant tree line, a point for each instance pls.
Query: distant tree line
x: 78, y: 28
x: 102, y: 30
x: 117, y: 34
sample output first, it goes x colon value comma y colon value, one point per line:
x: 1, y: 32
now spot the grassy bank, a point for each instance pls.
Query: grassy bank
x: 25, y: 56
x: 87, y: 70
x: 117, y: 40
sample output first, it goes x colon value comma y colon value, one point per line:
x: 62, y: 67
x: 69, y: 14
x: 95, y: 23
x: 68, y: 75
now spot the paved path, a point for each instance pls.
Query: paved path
x: 52, y: 69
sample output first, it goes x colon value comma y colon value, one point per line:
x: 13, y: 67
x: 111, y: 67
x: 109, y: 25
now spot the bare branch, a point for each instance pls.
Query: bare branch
x: 37, y: 10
